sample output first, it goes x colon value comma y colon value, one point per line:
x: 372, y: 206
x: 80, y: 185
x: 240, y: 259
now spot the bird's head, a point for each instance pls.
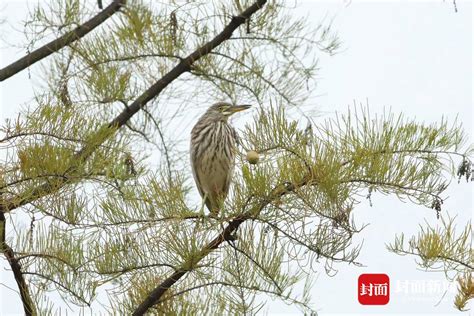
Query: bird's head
x: 223, y: 110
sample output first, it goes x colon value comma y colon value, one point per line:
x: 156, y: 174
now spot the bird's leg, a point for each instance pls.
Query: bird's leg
x: 201, y: 210
x: 220, y: 206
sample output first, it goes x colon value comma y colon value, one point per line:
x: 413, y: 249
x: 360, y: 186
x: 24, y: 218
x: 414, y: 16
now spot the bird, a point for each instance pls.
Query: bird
x: 213, y: 148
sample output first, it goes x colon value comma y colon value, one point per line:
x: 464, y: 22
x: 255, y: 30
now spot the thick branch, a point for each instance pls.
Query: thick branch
x: 55, y: 45
x: 182, y: 67
x: 8, y: 252
x: 226, y: 235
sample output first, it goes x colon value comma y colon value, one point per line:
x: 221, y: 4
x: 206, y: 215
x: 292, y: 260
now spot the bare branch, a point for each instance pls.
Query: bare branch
x: 55, y: 45
x: 8, y: 252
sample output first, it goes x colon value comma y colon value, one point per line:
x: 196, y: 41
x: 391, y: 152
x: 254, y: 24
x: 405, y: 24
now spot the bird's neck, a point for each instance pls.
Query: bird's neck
x: 224, y: 119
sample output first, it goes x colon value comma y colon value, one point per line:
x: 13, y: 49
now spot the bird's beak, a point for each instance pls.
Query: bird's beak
x: 238, y: 108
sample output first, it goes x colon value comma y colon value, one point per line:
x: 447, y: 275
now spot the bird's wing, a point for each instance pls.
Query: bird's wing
x: 207, y: 199
x: 196, y: 176
x: 228, y: 179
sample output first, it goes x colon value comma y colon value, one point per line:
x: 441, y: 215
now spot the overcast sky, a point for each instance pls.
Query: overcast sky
x: 414, y: 57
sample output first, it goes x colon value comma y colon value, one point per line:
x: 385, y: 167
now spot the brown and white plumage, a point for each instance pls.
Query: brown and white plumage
x: 213, y: 148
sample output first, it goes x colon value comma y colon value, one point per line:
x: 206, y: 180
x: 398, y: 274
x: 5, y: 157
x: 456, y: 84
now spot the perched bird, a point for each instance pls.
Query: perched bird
x: 213, y: 149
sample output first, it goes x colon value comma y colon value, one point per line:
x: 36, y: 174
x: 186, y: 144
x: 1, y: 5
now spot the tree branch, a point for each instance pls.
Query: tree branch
x: 26, y: 300
x: 55, y: 45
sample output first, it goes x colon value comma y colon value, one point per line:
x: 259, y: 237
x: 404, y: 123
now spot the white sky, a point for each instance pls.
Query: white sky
x: 412, y: 56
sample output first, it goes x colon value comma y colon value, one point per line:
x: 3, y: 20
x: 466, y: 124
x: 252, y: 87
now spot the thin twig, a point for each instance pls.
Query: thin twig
x: 440, y: 257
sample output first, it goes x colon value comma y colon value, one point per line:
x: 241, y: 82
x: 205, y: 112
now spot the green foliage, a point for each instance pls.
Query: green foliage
x: 446, y: 249
x: 465, y: 291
